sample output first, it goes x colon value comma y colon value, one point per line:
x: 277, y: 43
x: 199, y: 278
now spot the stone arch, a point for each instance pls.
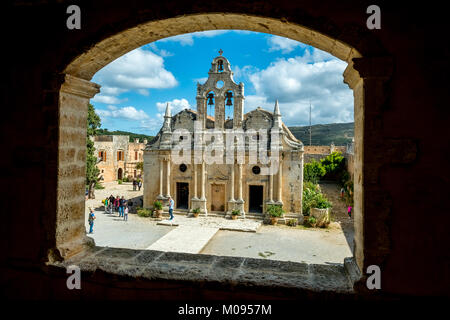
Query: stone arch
x: 105, y: 51
x: 365, y: 75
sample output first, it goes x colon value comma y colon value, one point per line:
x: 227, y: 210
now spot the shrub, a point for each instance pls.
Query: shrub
x: 157, y: 205
x: 313, y: 171
x: 119, y: 181
x: 309, y: 222
x: 142, y: 212
x: 313, y: 198
x: 275, y: 210
x: 125, y: 179
x: 98, y: 186
x: 235, y: 212
x: 292, y: 222
x: 196, y: 210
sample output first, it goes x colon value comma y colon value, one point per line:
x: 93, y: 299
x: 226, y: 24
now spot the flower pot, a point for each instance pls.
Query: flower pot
x: 157, y: 213
x: 273, y: 220
x: 234, y: 217
x: 322, y: 216
x: 195, y: 214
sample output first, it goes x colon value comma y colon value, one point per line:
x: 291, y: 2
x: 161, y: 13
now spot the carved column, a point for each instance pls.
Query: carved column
x: 161, y: 177
x: 270, y: 187
x: 240, y: 182
x: 232, y: 183
x: 231, y: 201
x: 194, y: 166
x: 70, y: 227
x: 280, y: 180
x: 168, y: 177
x: 202, y: 181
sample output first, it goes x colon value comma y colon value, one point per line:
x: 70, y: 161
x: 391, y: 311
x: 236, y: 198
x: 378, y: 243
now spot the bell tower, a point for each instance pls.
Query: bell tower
x: 220, y: 92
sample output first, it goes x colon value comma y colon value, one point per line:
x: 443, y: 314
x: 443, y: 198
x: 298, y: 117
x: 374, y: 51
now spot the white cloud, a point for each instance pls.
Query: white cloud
x: 176, y: 105
x: 188, y: 38
x: 315, y: 77
x: 284, y: 45
x: 200, y: 80
x: 161, y: 52
x: 126, y: 113
x: 137, y: 70
x: 107, y: 99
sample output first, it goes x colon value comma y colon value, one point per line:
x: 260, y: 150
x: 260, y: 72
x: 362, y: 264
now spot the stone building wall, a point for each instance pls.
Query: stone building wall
x: 111, y: 144
x: 134, y: 155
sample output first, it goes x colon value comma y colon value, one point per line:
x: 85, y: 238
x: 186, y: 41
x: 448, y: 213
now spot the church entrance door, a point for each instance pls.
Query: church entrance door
x: 182, y: 195
x: 255, y: 199
x: 119, y: 174
x: 217, y: 197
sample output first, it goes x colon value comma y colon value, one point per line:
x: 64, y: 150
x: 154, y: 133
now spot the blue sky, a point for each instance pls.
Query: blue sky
x: 137, y: 86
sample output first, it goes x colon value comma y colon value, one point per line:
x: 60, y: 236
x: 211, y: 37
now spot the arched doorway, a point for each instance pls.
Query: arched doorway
x: 367, y: 83
x: 119, y: 174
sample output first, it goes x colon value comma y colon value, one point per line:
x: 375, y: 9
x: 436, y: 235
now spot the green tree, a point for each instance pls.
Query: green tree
x: 92, y: 172
x: 313, y: 171
x: 140, y: 166
x: 334, y: 165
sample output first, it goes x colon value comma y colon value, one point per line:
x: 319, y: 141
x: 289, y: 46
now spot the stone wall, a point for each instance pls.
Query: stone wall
x: 109, y: 168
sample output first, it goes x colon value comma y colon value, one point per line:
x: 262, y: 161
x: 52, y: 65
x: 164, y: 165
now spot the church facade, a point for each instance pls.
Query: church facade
x: 225, y: 160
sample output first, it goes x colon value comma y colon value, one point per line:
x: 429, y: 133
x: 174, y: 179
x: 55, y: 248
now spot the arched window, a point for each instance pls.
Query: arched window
x: 229, y: 105
x: 210, y: 104
x: 219, y: 65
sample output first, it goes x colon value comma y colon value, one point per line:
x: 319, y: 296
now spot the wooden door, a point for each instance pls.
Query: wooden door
x: 217, y: 197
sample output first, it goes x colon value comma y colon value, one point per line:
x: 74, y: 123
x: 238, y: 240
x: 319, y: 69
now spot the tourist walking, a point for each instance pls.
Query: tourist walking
x: 134, y: 184
x: 106, y: 204
x: 171, y: 203
x: 116, y: 203
x: 121, y: 206
x: 91, y: 220
x: 140, y: 185
x: 125, y: 213
x: 349, y: 211
x: 342, y: 193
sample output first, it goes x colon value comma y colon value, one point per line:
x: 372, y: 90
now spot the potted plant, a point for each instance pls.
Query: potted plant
x: 142, y: 212
x: 157, y: 206
x: 292, y: 222
x: 195, y: 212
x: 275, y: 212
x: 234, y: 214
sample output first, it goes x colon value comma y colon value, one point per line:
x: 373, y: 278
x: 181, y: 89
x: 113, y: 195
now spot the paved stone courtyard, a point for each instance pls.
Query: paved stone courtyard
x: 213, y: 235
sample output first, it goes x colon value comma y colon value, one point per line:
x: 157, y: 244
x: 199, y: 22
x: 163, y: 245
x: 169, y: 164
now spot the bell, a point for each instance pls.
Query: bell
x: 210, y: 97
x: 229, y: 103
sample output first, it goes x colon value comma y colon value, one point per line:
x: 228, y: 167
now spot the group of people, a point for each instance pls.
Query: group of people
x: 137, y: 184
x: 118, y: 204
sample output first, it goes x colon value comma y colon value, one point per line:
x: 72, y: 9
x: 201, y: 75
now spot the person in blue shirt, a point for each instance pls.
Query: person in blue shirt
x: 171, y: 203
x: 91, y: 220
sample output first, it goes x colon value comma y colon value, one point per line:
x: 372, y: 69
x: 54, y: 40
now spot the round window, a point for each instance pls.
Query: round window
x: 183, y: 167
x: 256, y: 170
x: 219, y: 84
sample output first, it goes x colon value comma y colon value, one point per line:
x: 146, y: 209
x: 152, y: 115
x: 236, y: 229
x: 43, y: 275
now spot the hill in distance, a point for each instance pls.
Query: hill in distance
x: 322, y: 134
x: 106, y: 132
x: 325, y: 134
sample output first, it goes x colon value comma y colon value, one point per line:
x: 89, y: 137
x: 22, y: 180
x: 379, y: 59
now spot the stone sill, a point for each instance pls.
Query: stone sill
x: 145, y: 265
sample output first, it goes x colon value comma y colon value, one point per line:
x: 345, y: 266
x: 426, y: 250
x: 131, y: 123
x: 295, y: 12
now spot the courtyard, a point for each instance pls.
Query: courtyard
x: 223, y: 237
